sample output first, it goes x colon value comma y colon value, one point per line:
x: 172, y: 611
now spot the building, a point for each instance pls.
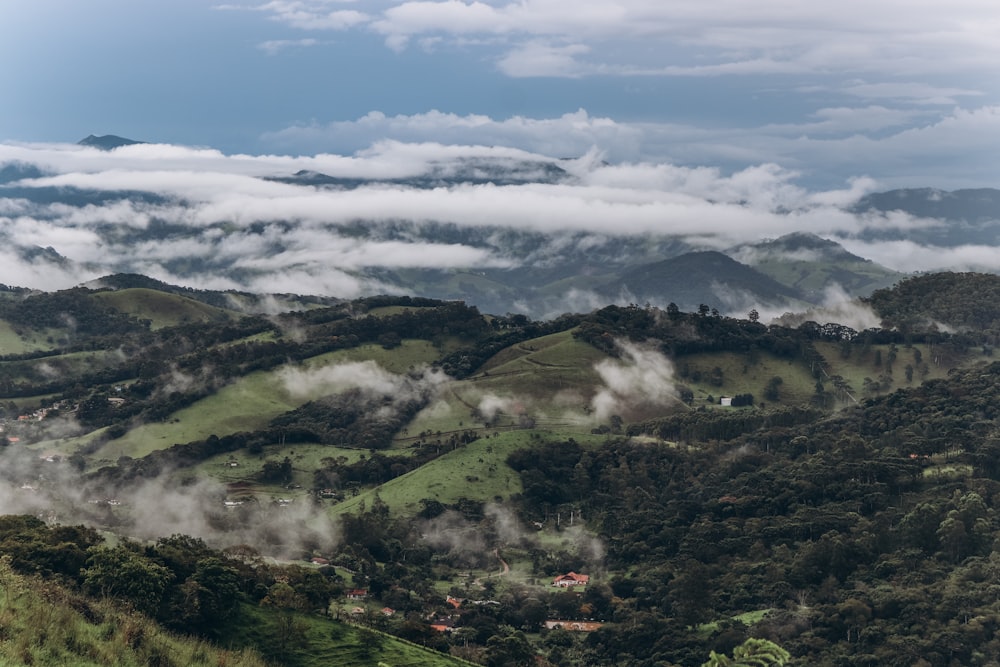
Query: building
x: 571, y: 579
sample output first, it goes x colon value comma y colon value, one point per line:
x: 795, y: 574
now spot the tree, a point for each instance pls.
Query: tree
x: 509, y: 649
x: 208, y: 597
x: 771, y: 391
x: 751, y: 653
x: 289, y: 628
x: 124, y: 573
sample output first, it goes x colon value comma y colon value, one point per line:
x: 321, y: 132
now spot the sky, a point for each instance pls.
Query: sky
x: 903, y: 92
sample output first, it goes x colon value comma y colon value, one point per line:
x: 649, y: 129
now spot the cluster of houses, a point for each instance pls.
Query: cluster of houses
x: 447, y: 623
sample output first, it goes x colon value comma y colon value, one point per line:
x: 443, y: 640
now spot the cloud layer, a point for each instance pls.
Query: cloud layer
x: 207, y: 219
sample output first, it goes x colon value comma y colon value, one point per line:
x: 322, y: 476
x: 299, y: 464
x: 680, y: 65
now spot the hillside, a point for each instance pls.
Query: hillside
x: 709, y: 278
x: 700, y: 469
x: 814, y: 265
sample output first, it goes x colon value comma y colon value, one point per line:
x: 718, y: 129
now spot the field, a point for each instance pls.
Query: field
x: 549, y: 380
x: 161, y: 308
x: 250, y: 402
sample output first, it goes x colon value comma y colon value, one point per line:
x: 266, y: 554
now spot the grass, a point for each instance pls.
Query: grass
x: 42, y: 623
x: 28, y: 340
x: 62, y: 365
x: 474, y: 471
x: 861, y: 364
x: 740, y: 376
x: 798, y: 384
x: 306, y: 458
x: 477, y: 471
x: 551, y: 379
x: 161, y: 308
x: 412, y: 353
x: 323, y: 642
x: 252, y: 401
x: 247, y: 404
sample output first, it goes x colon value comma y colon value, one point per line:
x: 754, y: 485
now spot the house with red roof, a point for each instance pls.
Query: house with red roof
x: 571, y: 579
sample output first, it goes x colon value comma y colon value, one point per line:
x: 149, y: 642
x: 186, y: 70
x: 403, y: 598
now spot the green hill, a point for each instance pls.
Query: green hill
x: 408, y: 463
x: 812, y: 265
x: 162, y: 309
x: 707, y: 277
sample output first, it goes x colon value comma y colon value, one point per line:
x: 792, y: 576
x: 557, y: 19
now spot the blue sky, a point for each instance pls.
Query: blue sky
x: 902, y: 91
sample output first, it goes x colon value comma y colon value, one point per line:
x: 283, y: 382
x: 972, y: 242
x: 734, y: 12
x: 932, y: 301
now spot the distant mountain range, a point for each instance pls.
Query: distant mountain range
x: 549, y: 272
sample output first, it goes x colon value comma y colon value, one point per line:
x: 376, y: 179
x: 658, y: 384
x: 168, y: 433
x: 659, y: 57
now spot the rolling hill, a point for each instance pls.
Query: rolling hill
x: 404, y: 463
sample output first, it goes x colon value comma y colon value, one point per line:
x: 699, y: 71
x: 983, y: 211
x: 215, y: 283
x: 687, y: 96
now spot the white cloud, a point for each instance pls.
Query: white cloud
x: 640, y: 377
x: 908, y: 256
x: 275, y: 46
x: 685, y: 37
x: 216, y: 213
x: 919, y: 92
x: 307, y: 14
x: 898, y: 147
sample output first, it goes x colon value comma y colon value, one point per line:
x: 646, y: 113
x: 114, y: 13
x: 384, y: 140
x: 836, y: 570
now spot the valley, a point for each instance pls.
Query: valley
x: 425, y: 453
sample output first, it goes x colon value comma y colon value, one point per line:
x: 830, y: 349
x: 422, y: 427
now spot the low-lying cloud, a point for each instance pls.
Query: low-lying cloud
x: 201, y: 218
x: 368, y: 376
x: 640, y: 377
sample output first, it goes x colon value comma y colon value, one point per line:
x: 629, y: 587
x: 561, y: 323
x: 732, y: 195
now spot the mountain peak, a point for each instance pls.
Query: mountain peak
x: 107, y: 142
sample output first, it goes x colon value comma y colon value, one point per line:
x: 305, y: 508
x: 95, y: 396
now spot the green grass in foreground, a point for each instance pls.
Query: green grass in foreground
x: 315, y: 641
x: 42, y: 623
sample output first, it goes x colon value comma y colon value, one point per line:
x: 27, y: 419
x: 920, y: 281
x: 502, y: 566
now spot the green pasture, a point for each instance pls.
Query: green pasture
x: 28, y: 340
x: 860, y: 363
x: 477, y: 471
x: 162, y: 309
x: 248, y: 404
x: 329, y: 643
x: 410, y: 354
x: 251, y: 402
x: 60, y: 366
x: 306, y: 458
x: 550, y: 379
x: 742, y: 375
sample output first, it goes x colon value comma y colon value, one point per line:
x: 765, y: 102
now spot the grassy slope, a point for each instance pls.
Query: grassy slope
x: 476, y: 471
x: 860, y: 365
x: 29, y: 340
x: 162, y: 308
x: 44, y: 624
x: 71, y: 363
x: 333, y: 644
x: 741, y: 377
x: 252, y: 401
x: 816, y: 276
x: 548, y: 378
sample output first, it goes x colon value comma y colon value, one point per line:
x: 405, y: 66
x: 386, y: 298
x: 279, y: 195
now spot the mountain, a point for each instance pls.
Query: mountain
x: 970, y: 205
x: 962, y: 217
x: 813, y: 265
x: 467, y: 171
x: 15, y: 171
x: 107, y: 142
x: 706, y: 277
